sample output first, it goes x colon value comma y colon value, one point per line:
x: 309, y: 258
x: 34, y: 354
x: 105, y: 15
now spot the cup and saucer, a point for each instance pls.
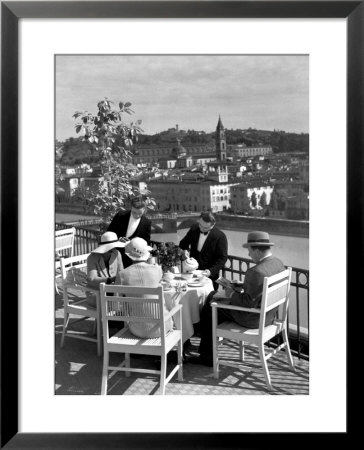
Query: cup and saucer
x: 166, y: 285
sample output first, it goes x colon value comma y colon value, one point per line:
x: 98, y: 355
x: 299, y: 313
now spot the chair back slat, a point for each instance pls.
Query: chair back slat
x: 64, y: 241
x: 133, y: 304
x: 74, y: 270
x: 275, y: 294
x: 133, y: 309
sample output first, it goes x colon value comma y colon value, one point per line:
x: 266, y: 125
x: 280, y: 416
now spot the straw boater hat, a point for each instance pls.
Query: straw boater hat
x: 138, y: 249
x: 258, y: 239
x: 109, y: 240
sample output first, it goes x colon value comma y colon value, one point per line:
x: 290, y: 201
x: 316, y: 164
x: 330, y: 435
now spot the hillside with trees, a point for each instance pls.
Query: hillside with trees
x: 77, y: 151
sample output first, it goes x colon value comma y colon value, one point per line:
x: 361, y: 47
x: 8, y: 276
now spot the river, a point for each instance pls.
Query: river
x: 293, y: 251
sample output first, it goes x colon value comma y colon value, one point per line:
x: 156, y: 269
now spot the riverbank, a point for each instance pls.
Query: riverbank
x: 295, y: 228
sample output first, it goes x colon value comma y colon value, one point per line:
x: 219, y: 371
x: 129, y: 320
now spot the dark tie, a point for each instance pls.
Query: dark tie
x: 206, y: 232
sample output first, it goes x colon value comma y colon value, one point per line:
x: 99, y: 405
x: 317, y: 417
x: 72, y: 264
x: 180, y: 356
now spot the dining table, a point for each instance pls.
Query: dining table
x: 191, y: 294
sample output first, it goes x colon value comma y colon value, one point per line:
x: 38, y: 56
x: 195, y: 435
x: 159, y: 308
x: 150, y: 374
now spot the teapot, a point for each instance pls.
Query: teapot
x: 190, y: 264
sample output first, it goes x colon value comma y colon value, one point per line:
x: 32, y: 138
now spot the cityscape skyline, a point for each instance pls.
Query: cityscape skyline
x: 258, y: 91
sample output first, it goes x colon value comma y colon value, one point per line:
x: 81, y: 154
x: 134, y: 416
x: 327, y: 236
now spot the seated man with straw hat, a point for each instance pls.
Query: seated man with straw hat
x: 259, y: 247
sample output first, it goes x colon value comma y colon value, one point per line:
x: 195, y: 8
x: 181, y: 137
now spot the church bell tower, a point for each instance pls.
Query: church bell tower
x: 220, y: 141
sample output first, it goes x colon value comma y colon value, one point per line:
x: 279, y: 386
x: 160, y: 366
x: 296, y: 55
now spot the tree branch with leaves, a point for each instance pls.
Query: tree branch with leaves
x: 113, y: 138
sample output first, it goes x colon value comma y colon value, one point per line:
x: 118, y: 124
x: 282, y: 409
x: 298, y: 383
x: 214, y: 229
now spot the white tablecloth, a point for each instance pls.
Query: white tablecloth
x: 192, y: 301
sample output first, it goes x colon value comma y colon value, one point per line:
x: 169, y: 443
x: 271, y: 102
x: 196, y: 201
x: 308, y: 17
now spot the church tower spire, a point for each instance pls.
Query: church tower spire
x: 220, y: 141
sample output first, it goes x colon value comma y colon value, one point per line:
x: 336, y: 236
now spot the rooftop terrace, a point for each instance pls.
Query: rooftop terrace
x: 78, y: 370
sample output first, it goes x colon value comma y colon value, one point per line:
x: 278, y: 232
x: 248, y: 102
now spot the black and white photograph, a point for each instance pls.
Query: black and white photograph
x: 181, y: 187
x: 182, y: 224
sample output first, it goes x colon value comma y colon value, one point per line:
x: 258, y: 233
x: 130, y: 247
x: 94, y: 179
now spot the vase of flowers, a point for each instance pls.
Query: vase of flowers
x: 169, y: 256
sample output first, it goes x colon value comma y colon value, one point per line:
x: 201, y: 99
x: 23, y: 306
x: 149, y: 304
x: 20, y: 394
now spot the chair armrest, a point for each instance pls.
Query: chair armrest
x: 236, y: 308
x: 82, y: 287
x: 173, y: 311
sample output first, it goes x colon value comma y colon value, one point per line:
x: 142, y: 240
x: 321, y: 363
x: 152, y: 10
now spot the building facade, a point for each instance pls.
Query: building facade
x: 243, y: 151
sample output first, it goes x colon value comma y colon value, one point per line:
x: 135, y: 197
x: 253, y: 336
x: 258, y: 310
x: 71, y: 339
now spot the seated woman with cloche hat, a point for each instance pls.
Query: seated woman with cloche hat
x: 141, y: 273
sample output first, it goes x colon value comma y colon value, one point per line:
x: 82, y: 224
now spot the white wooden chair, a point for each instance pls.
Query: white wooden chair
x: 64, y: 245
x: 275, y: 293
x: 75, y: 299
x: 138, y: 304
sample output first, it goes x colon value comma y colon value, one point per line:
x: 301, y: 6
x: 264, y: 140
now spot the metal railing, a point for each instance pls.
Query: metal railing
x: 235, y: 268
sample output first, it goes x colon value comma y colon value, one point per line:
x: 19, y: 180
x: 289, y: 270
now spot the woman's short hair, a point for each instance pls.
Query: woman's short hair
x: 138, y: 202
x: 207, y: 216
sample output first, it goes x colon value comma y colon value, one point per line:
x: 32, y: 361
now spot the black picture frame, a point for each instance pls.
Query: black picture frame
x: 11, y: 12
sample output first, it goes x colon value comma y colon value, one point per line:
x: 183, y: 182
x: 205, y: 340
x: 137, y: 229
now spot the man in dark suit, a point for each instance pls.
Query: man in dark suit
x: 130, y: 224
x: 250, y: 296
x: 208, y: 245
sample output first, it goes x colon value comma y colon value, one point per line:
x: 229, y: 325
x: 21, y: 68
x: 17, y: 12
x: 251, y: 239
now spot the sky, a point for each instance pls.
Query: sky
x: 259, y: 91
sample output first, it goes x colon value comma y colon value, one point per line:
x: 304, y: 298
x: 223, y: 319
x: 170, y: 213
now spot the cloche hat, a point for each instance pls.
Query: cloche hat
x: 109, y: 240
x: 138, y: 249
x: 258, y: 239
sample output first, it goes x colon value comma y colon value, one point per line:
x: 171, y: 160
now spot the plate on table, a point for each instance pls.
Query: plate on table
x: 197, y: 272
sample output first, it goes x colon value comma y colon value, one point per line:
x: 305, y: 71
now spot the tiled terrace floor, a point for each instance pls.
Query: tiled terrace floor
x: 78, y: 371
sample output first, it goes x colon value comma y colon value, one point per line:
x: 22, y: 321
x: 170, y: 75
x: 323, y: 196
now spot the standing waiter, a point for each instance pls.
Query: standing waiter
x: 208, y: 245
x: 130, y: 224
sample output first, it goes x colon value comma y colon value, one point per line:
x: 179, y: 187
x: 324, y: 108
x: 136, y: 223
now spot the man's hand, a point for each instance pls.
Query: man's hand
x: 228, y: 292
x: 219, y: 294
x: 124, y: 239
x: 206, y: 273
x: 237, y: 285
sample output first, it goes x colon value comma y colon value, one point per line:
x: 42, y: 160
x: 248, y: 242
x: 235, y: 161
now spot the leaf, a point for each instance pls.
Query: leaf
x: 78, y: 128
x: 121, y: 105
x: 127, y: 104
